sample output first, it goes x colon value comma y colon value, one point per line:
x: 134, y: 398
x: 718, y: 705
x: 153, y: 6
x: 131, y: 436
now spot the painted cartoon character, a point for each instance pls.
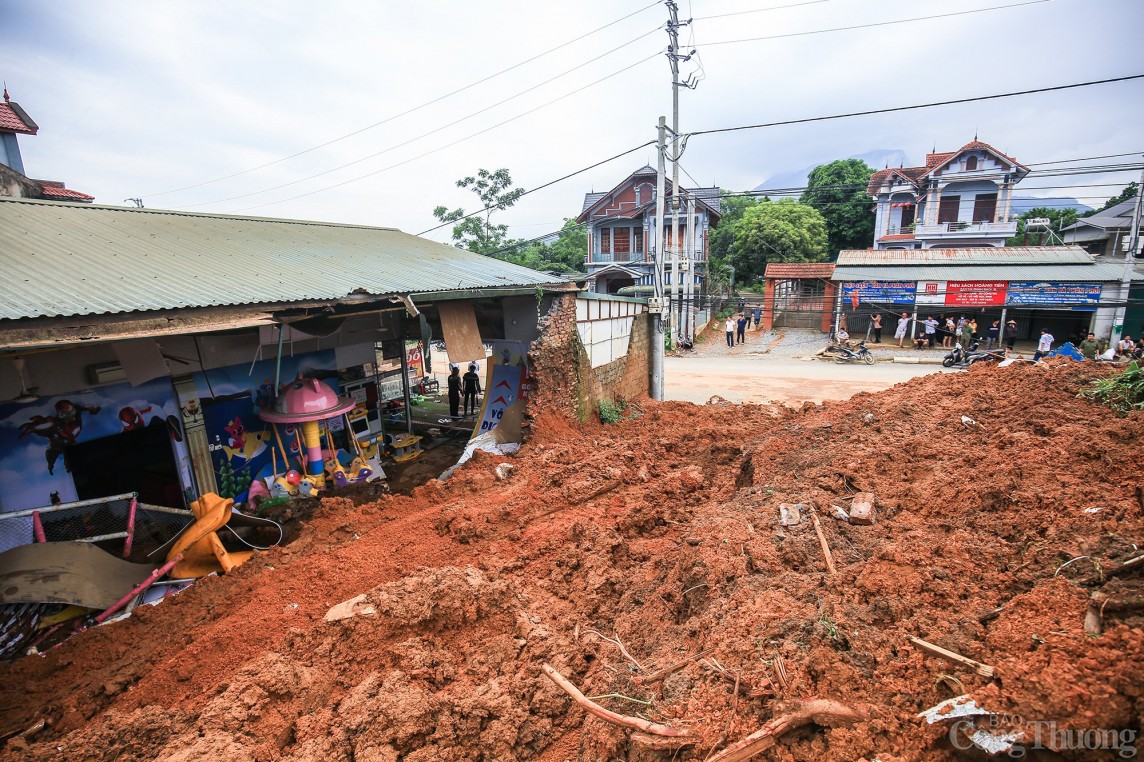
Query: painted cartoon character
x: 236, y: 434
x: 61, y: 430
x: 133, y: 419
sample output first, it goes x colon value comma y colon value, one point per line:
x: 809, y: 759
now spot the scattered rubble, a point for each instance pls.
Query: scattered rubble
x: 645, y: 564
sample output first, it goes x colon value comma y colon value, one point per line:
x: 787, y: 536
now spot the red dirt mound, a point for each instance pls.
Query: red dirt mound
x: 614, y: 552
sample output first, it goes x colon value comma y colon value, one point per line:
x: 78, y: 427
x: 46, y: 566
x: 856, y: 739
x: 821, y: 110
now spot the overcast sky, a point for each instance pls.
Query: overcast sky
x: 138, y: 99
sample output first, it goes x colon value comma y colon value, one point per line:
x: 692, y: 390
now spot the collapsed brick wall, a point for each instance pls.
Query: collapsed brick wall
x: 563, y: 378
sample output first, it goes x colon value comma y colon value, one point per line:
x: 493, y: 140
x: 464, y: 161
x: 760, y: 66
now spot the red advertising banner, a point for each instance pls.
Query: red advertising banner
x: 975, y: 293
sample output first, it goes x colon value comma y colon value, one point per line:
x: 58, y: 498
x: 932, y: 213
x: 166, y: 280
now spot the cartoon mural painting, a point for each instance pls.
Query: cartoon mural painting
x: 133, y: 419
x: 61, y: 430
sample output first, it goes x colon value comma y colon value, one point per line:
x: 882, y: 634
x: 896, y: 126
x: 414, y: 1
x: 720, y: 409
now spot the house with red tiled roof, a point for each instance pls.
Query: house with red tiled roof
x: 959, y: 199
x: 13, y: 180
x: 621, y: 231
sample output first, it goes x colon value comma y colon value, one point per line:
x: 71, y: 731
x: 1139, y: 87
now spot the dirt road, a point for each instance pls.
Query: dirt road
x: 750, y: 378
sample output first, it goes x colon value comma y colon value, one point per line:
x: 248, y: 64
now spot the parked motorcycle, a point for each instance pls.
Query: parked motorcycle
x: 856, y: 353
x: 961, y: 358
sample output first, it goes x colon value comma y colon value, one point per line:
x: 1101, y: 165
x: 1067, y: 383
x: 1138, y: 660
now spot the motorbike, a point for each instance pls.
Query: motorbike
x: 856, y: 353
x: 961, y: 358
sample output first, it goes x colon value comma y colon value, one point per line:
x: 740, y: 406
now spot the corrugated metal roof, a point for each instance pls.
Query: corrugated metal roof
x: 70, y: 259
x: 798, y: 270
x: 1091, y: 273
x: 993, y: 255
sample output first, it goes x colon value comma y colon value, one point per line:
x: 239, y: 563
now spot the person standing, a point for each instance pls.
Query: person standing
x: 1090, y: 347
x: 471, y: 387
x: 994, y: 335
x: 1010, y: 336
x: 729, y: 326
x: 950, y: 335
x: 876, y: 323
x: 1044, y: 344
x: 902, y: 329
x: 741, y: 324
x: 455, y: 392
x: 966, y: 335
x: 931, y: 331
x: 758, y: 316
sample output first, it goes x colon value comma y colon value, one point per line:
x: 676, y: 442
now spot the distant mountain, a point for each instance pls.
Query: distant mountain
x: 878, y: 158
x: 1023, y: 204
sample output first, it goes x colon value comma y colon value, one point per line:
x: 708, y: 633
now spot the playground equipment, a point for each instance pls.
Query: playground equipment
x: 310, y: 405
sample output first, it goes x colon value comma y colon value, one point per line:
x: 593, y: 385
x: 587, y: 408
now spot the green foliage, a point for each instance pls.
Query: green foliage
x: 1129, y: 191
x: 1060, y: 218
x: 838, y: 191
x: 477, y: 233
x: 777, y: 231
x: 1123, y: 392
x: 611, y: 411
x: 565, y: 254
x: 721, y: 238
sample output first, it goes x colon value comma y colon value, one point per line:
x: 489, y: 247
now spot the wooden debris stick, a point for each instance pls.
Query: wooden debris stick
x: 818, y: 711
x: 654, y: 728
x: 822, y: 541
x: 1100, y: 601
x: 982, y: 669
x: 659, y: 674
x: 617, y: 642
x: 1114, y: 571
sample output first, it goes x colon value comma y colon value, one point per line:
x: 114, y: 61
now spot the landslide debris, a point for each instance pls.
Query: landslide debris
x: 660, y: 534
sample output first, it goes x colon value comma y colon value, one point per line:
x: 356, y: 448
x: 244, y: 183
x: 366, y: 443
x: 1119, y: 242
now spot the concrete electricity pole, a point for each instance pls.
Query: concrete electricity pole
x: 673, y: 59
x: 656, y: 304
x: 1129, y: 267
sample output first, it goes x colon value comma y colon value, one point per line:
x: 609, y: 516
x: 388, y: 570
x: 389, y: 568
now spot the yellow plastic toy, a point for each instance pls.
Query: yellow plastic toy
x: 199, y: 544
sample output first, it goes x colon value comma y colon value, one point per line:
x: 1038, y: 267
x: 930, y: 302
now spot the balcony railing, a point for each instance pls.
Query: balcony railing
x: 620, y: 256
x: 983, y: 229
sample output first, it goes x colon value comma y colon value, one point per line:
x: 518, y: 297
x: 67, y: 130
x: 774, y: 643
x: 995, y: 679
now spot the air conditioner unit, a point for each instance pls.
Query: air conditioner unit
x: 654, y: 303
x: 685, y: 265
x: 106, y: 373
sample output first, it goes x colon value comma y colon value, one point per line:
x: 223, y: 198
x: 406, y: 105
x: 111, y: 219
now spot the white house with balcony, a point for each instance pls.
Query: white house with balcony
x: 621, y: 224
x: 959, y: 199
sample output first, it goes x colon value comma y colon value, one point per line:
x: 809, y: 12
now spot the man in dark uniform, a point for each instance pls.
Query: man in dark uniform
x: 455, y: 392
x: 471, y: 386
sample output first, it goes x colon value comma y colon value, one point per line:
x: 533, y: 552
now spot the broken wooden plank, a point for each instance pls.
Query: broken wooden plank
x: 822, y: 541
x: 982, y: 669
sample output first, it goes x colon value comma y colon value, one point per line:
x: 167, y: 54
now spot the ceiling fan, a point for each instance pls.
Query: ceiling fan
x: 26, y: 394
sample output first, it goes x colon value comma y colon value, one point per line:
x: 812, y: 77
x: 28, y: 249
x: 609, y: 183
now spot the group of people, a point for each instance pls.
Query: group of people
x: 468, y: 386
x: 737, y: 325
x: 963, y: 331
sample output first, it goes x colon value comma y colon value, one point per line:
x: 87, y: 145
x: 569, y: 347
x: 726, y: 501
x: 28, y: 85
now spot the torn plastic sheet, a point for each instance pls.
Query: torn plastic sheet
x: 964, y: 706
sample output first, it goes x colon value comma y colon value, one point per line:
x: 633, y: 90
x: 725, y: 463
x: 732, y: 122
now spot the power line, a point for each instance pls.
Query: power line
x: 878, y: 23
x: 894, y: 109
x: 425, y: 134
x: 459, y: 140
x: 759, y: 10
x: 415, y: 108
x: 545, y: 185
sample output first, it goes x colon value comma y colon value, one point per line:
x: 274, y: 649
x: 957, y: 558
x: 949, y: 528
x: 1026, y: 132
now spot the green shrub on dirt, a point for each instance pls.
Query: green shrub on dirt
x: 1123, y: 392
x: 611, y: 411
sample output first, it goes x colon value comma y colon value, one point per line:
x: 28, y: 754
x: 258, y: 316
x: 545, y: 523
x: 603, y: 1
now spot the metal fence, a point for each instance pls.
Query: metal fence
x: 119, y: 523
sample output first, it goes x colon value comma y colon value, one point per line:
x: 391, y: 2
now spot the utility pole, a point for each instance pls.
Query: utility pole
x: 673, y: 59
x: 1129, y: 267
x: 655, y: 304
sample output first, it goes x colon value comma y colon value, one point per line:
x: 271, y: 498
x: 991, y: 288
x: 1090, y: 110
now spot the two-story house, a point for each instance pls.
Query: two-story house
x: 621, y: 224
x: 959, y: 199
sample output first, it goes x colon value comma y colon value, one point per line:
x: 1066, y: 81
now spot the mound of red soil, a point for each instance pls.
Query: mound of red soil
x: 660, y: 535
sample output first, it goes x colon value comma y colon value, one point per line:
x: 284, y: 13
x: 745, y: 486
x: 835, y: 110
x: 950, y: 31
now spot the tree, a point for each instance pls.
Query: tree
x: 1059, y: 219
x: 1129, y: 191
x: 777, y: 231
x: 475, y: 233
x: 565, y: 254
x: 838, y: 191
x: 721, y: 238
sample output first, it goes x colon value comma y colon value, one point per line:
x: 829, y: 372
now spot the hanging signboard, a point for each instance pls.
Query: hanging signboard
x: 975, y: 293
x: 879, y: 291
x: 962, y: 293
x: 930, y: 292
x: 1048, y: 293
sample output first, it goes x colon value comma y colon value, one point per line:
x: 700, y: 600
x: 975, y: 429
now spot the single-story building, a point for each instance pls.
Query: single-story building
x: 137, y: 346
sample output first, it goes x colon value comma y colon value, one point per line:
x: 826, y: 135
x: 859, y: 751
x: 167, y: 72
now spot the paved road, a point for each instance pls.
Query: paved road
x: 754, y: 378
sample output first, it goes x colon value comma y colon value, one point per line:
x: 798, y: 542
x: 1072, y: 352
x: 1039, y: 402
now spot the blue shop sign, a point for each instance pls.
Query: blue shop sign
x: 1047, y: 293
x: 880, y: 291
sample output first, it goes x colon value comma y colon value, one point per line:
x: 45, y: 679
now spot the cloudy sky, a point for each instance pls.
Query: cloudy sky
x: 369, y: 112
